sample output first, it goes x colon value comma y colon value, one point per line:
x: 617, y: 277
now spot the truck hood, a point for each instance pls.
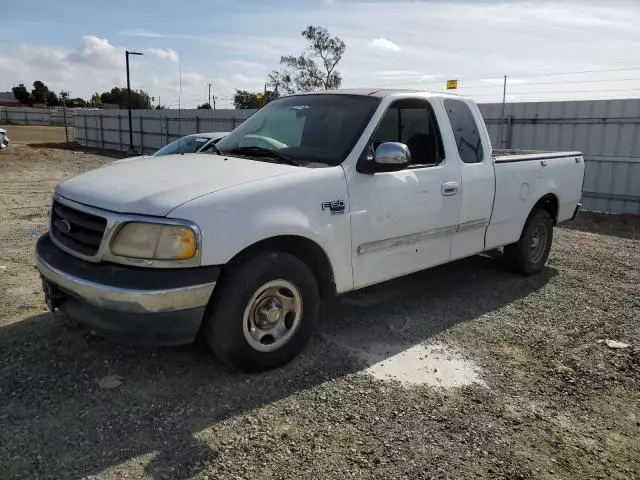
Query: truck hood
x: 156, y: 185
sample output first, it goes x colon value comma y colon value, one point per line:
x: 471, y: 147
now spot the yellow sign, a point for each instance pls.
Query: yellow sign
x: 452, y: 84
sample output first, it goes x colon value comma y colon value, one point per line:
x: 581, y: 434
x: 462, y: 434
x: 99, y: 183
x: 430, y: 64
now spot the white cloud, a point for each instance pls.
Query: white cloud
x: 95, y: 65
x: 192, y: 80
x: 98, y: 53
x: 266, y: 46
x: 245, y: 64
x: 500, y: 81
x: 387, y: 75
x: 255, y: 81
x: 414, y: 44
x: 98, y: 65
x: 395, y: 73
x: 167, y: 54
x: 384, y: 44
x: 140, y: 32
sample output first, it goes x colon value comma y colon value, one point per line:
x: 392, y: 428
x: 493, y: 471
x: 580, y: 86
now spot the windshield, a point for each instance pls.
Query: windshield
x: 190, y: 144
x: 306, y: 128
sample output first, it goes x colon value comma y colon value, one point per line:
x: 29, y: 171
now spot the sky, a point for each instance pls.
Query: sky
x: 561, y: 50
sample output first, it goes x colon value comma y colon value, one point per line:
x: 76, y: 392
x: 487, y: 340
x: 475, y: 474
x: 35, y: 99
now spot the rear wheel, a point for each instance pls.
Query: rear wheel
x: 263, y: 312
x: 530, y: 253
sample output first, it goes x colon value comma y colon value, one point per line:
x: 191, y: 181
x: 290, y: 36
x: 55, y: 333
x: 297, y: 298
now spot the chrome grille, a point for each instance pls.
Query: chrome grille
x: 76, y: 230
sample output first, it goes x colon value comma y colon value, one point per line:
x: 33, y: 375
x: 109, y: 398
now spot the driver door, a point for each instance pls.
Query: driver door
x: 405, y: 221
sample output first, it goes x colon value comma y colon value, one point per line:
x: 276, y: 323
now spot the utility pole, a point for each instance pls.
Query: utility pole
x: 504, y: 99
x: 209, y: 93
x: 127, y: 53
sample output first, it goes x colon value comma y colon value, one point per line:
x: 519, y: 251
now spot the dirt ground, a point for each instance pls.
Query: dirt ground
x: 21, y: 134
x: 463, y: 371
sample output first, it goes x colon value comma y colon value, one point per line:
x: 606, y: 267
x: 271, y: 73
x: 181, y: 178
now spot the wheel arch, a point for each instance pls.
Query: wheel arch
x: 303, y: 248
x: 550, y: 204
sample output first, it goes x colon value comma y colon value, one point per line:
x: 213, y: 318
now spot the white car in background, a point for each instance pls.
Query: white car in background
x: 4, y: 139
x: 196, y: 143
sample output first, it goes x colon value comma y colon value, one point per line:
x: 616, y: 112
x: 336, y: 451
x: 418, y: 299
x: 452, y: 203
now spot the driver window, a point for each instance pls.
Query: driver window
x: 413, y: 123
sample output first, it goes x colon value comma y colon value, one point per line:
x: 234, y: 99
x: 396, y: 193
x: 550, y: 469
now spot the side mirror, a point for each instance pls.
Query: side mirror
x: 388, y: 157
x: 393, y: 155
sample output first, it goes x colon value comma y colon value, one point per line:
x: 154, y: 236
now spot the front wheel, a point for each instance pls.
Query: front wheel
x: 530, y: 253
x: 263, y: 313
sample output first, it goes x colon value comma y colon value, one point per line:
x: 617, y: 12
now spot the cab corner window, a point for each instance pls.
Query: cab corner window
x: 465, y: 131
x: 413, y: 123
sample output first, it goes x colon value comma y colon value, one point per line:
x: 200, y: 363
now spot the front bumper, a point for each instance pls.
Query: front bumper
x: 141, y: 305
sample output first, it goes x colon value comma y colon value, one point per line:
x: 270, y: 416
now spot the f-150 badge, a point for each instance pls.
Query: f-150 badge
x: 336, y: 207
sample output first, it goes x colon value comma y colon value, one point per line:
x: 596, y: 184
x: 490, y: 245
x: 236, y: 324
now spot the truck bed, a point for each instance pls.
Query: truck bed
x: 522, y: 179
x: 515, y: 155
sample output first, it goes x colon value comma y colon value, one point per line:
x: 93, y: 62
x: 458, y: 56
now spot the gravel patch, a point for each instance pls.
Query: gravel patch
x: 554, y: 402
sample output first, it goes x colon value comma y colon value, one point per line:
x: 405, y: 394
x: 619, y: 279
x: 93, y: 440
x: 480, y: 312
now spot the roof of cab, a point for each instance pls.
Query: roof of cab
x: 373, y: 92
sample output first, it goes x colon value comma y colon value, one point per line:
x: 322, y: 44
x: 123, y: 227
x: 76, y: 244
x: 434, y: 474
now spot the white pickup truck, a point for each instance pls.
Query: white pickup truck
x: 315, y: 195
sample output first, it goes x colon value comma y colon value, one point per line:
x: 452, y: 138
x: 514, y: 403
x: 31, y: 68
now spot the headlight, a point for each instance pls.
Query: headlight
x: 155, y: 241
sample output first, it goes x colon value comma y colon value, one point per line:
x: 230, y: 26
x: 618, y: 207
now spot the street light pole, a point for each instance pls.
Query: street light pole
x: 127, y: 53
x: 64, y: 96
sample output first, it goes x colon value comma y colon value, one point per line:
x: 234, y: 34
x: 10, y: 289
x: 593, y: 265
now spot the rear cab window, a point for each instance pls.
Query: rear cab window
x: 465, y: 131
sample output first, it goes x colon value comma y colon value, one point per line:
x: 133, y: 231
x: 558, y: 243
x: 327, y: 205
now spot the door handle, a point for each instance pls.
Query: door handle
x: 450, y: 188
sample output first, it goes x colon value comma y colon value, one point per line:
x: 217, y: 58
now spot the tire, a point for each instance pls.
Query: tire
x: 529, y: 254
x: 263, y: 313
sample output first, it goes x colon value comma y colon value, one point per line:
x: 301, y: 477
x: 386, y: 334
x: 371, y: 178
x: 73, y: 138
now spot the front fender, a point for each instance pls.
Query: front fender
x: 234, y: 219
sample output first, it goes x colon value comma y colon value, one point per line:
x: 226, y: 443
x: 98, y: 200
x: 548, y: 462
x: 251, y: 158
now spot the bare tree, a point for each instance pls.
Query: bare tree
x: 302, y: 73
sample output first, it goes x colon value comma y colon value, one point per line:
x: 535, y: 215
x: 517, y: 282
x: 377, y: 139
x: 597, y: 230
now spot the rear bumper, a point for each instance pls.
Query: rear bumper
x: 143, y: 306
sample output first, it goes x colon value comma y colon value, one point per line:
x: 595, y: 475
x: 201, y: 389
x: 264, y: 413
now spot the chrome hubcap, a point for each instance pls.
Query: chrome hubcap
x: 272, y: 315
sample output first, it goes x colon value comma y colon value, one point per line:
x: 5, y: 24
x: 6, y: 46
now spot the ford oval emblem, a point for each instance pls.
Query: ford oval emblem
x: 62, y: 225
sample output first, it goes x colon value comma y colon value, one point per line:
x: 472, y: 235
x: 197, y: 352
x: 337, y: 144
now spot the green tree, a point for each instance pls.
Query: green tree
x: 245, y: 99
x: 303, y: 73
x: 52, y: 99
x: 21, y: 94
x: 204, y: 106
x: 96, y: 101
x: 77, y: 102
x: 39, y: 92
x: 118, y: 96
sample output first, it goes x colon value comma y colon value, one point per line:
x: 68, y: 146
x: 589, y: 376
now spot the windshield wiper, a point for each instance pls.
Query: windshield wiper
x: 266, y: 152
x: 215, y: 149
